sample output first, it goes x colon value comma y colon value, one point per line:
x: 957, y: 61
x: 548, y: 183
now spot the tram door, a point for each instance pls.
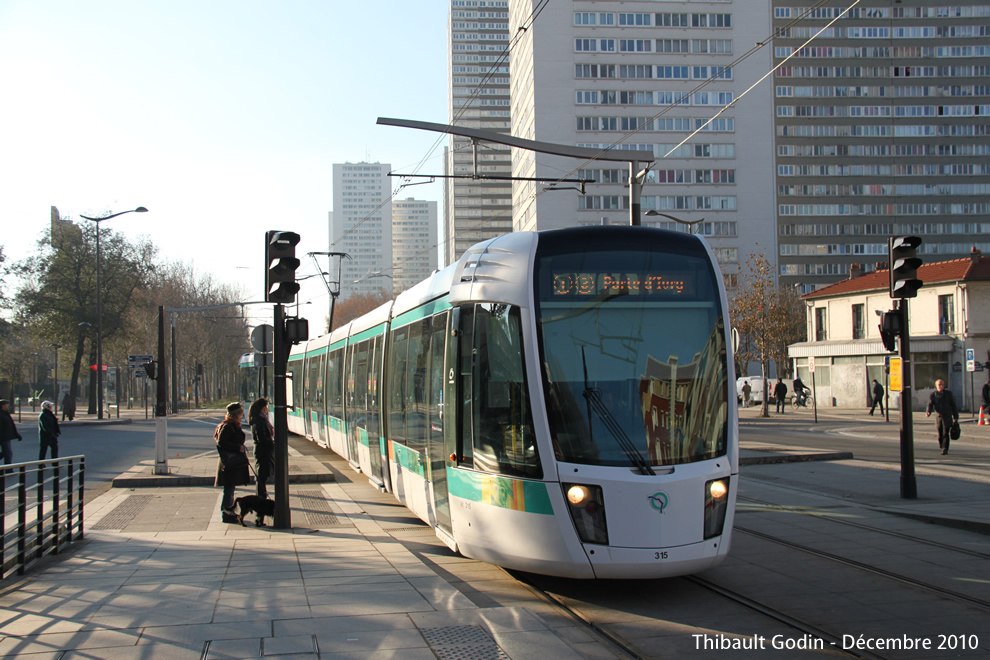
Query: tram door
x: 437, y: 447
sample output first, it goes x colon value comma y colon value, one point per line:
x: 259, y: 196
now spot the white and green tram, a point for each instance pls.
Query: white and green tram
x: 555, y: 402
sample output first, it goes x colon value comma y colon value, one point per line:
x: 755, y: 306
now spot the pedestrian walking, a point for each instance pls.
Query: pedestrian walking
x: 264, y: 443
x: 8, y: 431
x: 232, y: 470
x: 943, y: 404
x: 747, y: 391
x: 877, y: 397
x: 68, y: 407
x: 48, y: 430
x: 986, y: 398
x: 780, y: 394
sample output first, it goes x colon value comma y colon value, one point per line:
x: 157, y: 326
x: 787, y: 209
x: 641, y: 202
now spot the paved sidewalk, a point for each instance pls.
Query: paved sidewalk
x: 358, y: 576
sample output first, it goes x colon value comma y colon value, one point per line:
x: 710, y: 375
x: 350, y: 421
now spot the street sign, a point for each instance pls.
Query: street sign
x: 93, y: 367
x: 263, y: 338
x: 895, y: 374
x: 138, y: 361
x: 811, y: 364
x: 139, y: 372
x: 970, y: 359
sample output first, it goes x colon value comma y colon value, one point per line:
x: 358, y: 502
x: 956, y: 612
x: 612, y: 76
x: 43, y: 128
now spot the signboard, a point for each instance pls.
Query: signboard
x: 93, y: 367
x: 970, y: 359
x: 263, y: 338
x: 895, y: 374
x: 811, y: 364
x: 138, y: 361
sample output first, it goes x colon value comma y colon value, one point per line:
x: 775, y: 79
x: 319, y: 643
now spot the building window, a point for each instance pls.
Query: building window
x: 945, y: 315
x: 859, y: 331
x: 821, y: 330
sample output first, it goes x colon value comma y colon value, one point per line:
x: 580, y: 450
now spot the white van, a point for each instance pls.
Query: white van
x: 756, y: 395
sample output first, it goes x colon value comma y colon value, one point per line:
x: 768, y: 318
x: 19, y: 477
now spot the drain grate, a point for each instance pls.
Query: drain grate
x: 124, y: 512
x: 462, y: 643
x: 316, y: 506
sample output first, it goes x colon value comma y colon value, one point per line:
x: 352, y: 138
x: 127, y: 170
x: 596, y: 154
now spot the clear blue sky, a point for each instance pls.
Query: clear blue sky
x: 222, y: 117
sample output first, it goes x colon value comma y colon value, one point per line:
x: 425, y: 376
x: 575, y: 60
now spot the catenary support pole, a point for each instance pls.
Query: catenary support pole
x: 909, y: 486
x: 280, y: 354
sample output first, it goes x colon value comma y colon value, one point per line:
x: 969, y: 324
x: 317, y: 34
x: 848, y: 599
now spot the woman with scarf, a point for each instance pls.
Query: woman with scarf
x: 232, y: 470
x: 264, y: 443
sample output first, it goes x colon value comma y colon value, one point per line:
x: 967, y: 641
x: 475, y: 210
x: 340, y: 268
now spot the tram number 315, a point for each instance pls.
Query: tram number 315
x: 659, y: 555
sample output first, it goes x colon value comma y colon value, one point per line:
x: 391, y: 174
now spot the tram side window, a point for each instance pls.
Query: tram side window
x: 295, y: 372
x: 314, y: 394
x: 374, y: 360
x: 358, y: 387
x: 396, y: 390
x: 504, y: 441
x: 335, y: 390
x: 416, y: 383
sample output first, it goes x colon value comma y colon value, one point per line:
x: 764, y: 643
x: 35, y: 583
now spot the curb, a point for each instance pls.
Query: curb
x: 167, y: 481
x: 96, y: 422
x: 796, y: 458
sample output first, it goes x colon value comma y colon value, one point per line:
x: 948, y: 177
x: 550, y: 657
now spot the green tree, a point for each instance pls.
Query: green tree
x: 58, y: 293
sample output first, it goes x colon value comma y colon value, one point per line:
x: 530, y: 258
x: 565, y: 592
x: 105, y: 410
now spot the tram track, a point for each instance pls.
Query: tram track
x: 808, y: 511
x: 629, y: 648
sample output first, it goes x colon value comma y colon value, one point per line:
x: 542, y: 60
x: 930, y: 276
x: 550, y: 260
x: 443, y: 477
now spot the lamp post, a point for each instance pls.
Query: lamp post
x: 99, y: 309
x: 690, y: 223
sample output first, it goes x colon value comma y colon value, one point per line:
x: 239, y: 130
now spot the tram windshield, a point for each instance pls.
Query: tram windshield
x: 632, y: 349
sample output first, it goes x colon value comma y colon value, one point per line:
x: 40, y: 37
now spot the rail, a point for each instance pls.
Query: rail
x: 42, y: 505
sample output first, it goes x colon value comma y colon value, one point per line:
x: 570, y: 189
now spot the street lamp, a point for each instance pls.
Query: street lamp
x: 689, y: 223
x: 99, y: 309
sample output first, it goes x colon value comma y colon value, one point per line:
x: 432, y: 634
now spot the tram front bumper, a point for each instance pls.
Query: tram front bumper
x: 638, y: 563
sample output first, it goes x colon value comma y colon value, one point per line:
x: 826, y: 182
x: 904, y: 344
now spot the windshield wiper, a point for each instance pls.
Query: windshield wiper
x: 594, y: 398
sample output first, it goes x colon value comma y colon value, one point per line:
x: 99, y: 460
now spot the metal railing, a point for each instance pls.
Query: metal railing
x: 42, y: 505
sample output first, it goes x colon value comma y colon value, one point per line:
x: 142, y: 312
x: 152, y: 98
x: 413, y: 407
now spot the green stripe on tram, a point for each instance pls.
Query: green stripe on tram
x: 429, y: 309
x: 370, y: 333
x: 505, y: 493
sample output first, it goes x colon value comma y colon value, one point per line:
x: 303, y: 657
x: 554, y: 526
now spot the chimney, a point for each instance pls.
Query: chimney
x: 975, y: 255
x: 855, y: 270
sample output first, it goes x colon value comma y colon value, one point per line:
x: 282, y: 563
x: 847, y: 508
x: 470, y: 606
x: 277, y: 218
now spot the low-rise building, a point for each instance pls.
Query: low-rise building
x: 950, y: 315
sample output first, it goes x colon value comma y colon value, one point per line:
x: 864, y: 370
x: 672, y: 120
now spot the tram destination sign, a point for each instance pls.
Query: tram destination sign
x: 648, y: 284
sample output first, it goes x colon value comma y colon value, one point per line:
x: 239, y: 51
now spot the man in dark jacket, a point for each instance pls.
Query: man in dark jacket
x: 944, y: 405
x: 877, y: 397
x: 8, y: 431
x: 48, y: 430
x: 780, y: 394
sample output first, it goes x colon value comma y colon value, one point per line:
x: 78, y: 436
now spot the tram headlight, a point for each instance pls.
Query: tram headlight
x: 716, y: 504
x: 587, y: 507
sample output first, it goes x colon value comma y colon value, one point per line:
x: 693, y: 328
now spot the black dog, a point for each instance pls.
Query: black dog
x: 261, y: 506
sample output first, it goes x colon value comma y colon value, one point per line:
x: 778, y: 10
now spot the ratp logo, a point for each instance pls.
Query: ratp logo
x: 658, y: 500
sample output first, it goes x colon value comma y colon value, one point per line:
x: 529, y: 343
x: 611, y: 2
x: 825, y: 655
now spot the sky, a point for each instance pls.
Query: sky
x: 223, y: 118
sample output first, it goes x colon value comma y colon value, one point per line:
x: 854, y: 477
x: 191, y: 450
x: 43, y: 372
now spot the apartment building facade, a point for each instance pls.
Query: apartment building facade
x: 656, y: 77
x: 414, y: 242
x: 361, y: 226
x: 477, y: 209
x: 881, y: 129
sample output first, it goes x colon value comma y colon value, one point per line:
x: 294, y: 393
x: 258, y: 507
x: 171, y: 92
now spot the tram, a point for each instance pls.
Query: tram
x: 556, y: 402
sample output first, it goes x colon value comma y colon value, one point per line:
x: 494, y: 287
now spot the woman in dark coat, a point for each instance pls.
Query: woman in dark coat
x: 48, y: 430
x: 232, y: 471
x: 264, y: 443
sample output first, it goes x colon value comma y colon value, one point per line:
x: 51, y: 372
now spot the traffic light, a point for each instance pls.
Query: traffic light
x: 890, y: 328
x: 280, y: 266
x: 151, y: 368
x: 904, y: 264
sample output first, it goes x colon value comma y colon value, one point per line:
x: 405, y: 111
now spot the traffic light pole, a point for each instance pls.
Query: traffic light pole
x: 909, y: 486
x: 280, y: 353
